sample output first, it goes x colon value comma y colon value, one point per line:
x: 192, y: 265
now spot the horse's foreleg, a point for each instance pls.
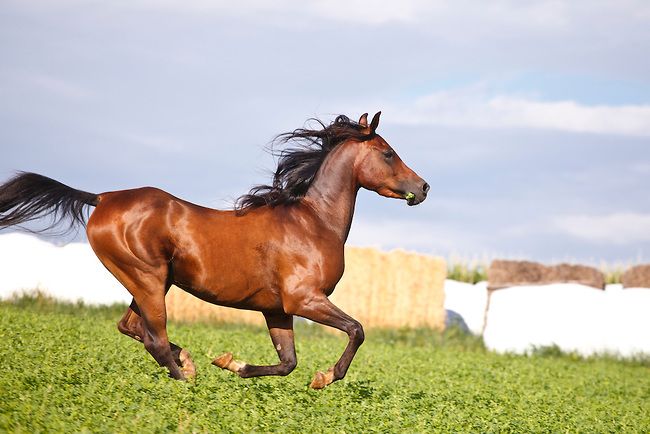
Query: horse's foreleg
x: 132, y: 325
x: 281, y: 332
x: 322, y: 311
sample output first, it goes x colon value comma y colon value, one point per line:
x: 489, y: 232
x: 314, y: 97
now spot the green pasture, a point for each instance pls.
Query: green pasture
x: 66, y: 368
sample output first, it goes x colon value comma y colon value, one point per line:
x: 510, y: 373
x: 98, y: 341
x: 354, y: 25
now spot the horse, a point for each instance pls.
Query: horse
x: 279, y: 251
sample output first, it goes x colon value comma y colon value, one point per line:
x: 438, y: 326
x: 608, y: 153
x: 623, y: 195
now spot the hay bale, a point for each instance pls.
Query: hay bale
x: 581, y: 274
x: 637, y: 277
x: 504, y: 273
x: 396, y: 289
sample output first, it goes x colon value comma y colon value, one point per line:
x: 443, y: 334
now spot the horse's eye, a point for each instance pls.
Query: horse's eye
x: 389, y: 154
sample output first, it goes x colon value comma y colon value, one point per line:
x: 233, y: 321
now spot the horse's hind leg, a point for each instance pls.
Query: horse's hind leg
x: 132, y: 325
x: 281, y: 330
x: 148, y: 286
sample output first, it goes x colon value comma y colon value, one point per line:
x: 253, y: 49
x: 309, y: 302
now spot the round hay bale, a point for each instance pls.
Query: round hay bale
x: 637, y: 277
x: 504, y: 274
x: 582, y: 274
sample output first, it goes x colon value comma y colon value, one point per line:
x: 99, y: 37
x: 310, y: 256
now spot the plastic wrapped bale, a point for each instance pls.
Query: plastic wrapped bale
x: 81, y: 276
x: 628, y: 321
x: 68, y: 273
x: 469, y: 301
x: 572, y: 316
x: 25, y: 260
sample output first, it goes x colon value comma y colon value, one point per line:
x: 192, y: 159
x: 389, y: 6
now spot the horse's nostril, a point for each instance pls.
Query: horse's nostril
x: 425, y: 187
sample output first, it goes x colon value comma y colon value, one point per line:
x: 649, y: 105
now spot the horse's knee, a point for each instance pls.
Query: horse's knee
x: 356, y: 333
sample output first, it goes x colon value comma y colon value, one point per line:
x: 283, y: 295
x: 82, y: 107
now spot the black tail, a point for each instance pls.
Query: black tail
x: 29, y: 196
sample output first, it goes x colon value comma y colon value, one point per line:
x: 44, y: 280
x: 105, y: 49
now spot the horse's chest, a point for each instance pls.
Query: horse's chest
x: 332, y: 276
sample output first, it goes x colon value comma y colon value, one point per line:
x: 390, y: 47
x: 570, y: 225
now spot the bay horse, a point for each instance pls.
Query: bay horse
x: 279, y: 251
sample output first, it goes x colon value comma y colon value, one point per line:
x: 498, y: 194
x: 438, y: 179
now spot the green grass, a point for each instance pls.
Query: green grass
x: 67, y: 369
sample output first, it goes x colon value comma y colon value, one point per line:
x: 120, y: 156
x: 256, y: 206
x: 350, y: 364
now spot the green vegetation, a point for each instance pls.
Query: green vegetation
x: 613, y: 274
x: 470, y: 272
x: 67, y: 369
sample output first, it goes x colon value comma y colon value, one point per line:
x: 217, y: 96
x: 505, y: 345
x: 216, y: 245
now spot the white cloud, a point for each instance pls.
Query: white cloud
x: 474, y: 107
x: 616, y: 228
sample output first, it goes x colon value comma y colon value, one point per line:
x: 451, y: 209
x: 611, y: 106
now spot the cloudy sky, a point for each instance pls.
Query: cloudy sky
x: 530, y: 120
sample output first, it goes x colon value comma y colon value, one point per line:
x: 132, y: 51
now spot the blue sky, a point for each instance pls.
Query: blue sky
x: 531, y: 120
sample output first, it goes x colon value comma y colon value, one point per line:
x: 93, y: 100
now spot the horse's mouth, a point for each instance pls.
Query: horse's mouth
x: 412, y: 199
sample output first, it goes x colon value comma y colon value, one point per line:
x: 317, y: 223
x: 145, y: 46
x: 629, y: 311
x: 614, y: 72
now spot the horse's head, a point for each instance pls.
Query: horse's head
x: 380, y: 169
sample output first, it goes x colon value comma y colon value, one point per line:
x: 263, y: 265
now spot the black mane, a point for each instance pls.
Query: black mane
x: 298, y: 163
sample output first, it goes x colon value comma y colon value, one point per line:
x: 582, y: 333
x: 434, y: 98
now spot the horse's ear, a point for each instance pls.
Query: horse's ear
x: 375, y: 122
x: 363, y: 120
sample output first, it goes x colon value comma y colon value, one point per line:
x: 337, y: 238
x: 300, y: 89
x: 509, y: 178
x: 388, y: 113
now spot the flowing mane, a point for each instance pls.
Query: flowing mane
x: 299, y: 162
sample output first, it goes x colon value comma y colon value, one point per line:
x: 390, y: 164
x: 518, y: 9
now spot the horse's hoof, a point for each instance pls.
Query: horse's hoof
x: 187, y: 364
x: 322, y: 379
x: 225, y: 361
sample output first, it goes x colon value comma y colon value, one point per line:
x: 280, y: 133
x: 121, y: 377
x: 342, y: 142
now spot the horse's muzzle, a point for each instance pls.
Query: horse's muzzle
x: 417, y: 196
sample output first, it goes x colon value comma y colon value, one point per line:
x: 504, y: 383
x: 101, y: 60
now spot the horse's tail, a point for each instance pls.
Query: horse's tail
x: 29, y: 196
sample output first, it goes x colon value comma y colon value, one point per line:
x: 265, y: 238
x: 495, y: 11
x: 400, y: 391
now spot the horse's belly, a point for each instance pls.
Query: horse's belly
x: 259, y: 299
x: 228, y: 274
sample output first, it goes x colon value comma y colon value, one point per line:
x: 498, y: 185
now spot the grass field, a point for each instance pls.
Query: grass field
x: 67, y: 369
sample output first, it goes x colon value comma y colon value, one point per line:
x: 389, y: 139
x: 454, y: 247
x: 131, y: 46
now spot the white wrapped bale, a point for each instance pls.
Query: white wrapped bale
x: 469, y: 301
x: 574, y: 317
x: 629, y: 331
x: 24, y: 263
x: 70, y: 273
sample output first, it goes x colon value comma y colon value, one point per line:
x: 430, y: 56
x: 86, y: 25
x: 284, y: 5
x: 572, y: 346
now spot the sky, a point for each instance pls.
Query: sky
x: 530, y: 120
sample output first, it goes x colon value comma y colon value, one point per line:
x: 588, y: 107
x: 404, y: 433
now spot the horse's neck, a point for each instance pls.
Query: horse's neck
x: 333, y: 192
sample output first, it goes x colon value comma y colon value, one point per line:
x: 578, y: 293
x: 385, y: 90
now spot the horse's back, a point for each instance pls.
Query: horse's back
x: 140, y: 220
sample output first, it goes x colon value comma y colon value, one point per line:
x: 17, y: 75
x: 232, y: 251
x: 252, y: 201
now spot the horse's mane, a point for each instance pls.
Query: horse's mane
x: 305, y: 151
